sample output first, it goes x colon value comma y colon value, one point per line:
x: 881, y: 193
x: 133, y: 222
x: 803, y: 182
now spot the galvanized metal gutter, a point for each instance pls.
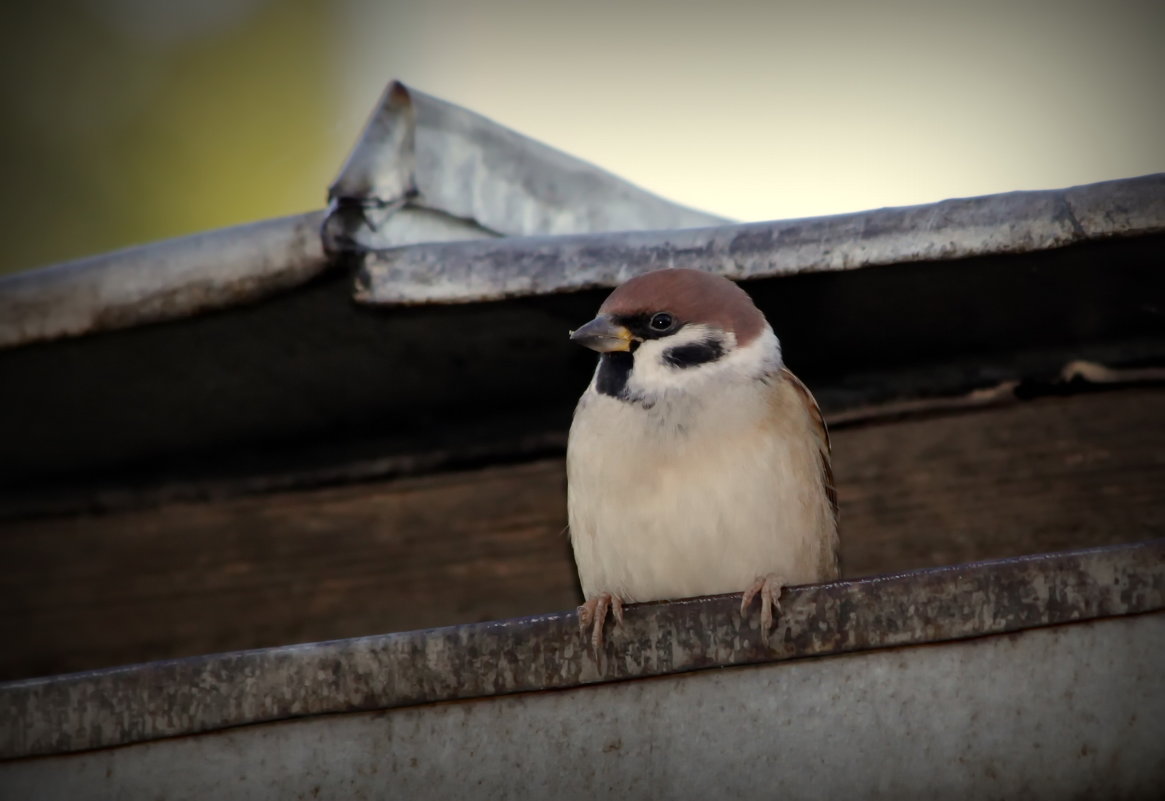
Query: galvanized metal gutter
x: 166, y: 699
x: 1017, y: 222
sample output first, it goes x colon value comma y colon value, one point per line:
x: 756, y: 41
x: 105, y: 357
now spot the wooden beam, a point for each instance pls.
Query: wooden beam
x: 82, y: 592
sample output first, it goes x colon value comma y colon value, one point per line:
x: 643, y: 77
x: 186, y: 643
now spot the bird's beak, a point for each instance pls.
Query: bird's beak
x: 602, y: 334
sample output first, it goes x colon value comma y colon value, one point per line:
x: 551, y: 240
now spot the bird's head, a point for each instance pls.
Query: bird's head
x: 675, y: 330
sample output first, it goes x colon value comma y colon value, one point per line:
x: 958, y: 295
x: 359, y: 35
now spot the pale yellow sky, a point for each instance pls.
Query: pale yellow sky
x: 133, y: 120
x: 772, y: 110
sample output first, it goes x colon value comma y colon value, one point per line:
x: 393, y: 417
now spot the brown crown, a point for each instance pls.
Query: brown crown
x: 693, y: 296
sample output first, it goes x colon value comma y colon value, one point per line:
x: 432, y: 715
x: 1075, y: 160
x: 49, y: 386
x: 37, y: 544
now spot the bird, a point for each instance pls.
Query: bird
x: 697, y: 463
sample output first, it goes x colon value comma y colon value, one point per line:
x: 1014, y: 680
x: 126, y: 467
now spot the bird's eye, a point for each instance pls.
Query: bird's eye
x: 661, y: 322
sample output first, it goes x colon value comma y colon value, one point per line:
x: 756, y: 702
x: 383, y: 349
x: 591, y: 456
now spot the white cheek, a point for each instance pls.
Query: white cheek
x: 653, y: 373
x: 653, y: 377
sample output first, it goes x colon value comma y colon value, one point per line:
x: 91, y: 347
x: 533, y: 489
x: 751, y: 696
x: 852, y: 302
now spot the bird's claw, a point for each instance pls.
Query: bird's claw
x: 592, y: 616
x: 769, y: 589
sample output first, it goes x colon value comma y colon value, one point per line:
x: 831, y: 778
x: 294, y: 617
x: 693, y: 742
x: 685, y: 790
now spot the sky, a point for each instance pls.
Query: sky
x: 134, y: 120
x: 775, y: 110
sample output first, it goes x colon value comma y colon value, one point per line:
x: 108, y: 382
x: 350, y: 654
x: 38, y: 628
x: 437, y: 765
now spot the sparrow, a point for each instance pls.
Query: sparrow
x: 697, y: 463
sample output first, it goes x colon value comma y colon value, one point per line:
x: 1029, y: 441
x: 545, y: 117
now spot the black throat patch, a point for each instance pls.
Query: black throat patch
x: 614, y: 370
x: 693, y: 354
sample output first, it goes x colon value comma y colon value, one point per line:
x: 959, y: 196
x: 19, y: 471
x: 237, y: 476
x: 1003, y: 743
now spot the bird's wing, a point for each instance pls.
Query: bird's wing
x: 820, y: 432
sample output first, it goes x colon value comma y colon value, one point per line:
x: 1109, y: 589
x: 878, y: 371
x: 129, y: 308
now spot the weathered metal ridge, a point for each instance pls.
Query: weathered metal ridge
x: 1015, y: 222
x: 165, y: 699
x: 418, y: 152
x: 424, y: 170
x: 161, y: 281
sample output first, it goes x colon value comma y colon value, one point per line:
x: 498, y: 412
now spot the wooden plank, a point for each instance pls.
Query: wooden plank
x: 182, y: 579
x: 282, y: 568
x: 1038, y: 476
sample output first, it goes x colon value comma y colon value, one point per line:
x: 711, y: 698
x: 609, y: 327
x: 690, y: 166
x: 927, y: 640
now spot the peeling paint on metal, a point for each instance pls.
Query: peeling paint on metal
x: 166, y: 699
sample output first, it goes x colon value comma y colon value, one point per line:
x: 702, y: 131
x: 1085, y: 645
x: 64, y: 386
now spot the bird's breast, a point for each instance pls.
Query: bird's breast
x: 675, y: 501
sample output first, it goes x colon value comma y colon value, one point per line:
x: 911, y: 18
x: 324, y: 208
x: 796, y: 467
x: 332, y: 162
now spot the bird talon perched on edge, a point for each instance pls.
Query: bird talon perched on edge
x: 769, y: 589
x: 697, y: 463
x: 592, y: 616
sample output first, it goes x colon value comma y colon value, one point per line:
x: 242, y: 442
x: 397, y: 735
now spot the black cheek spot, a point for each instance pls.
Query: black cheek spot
x: 684, y: 356
x: 614, y: 370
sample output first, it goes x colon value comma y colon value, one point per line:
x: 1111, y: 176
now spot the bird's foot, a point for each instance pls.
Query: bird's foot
x: 593, y: 615
x: 769, y: 589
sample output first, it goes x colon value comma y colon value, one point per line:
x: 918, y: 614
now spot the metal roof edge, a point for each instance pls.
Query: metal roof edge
x: 1014, y: 222
x: 417, y: 150
x: 188, y: 696
x: 217, y: 269
x: 160, y: 281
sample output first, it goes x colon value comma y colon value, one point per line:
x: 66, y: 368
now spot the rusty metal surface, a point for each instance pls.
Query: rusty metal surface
x: 166, y: 699
x: 420, y: 152
x: 1018, y: 222
x: 162, y: 281
x: 1072, y: 711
